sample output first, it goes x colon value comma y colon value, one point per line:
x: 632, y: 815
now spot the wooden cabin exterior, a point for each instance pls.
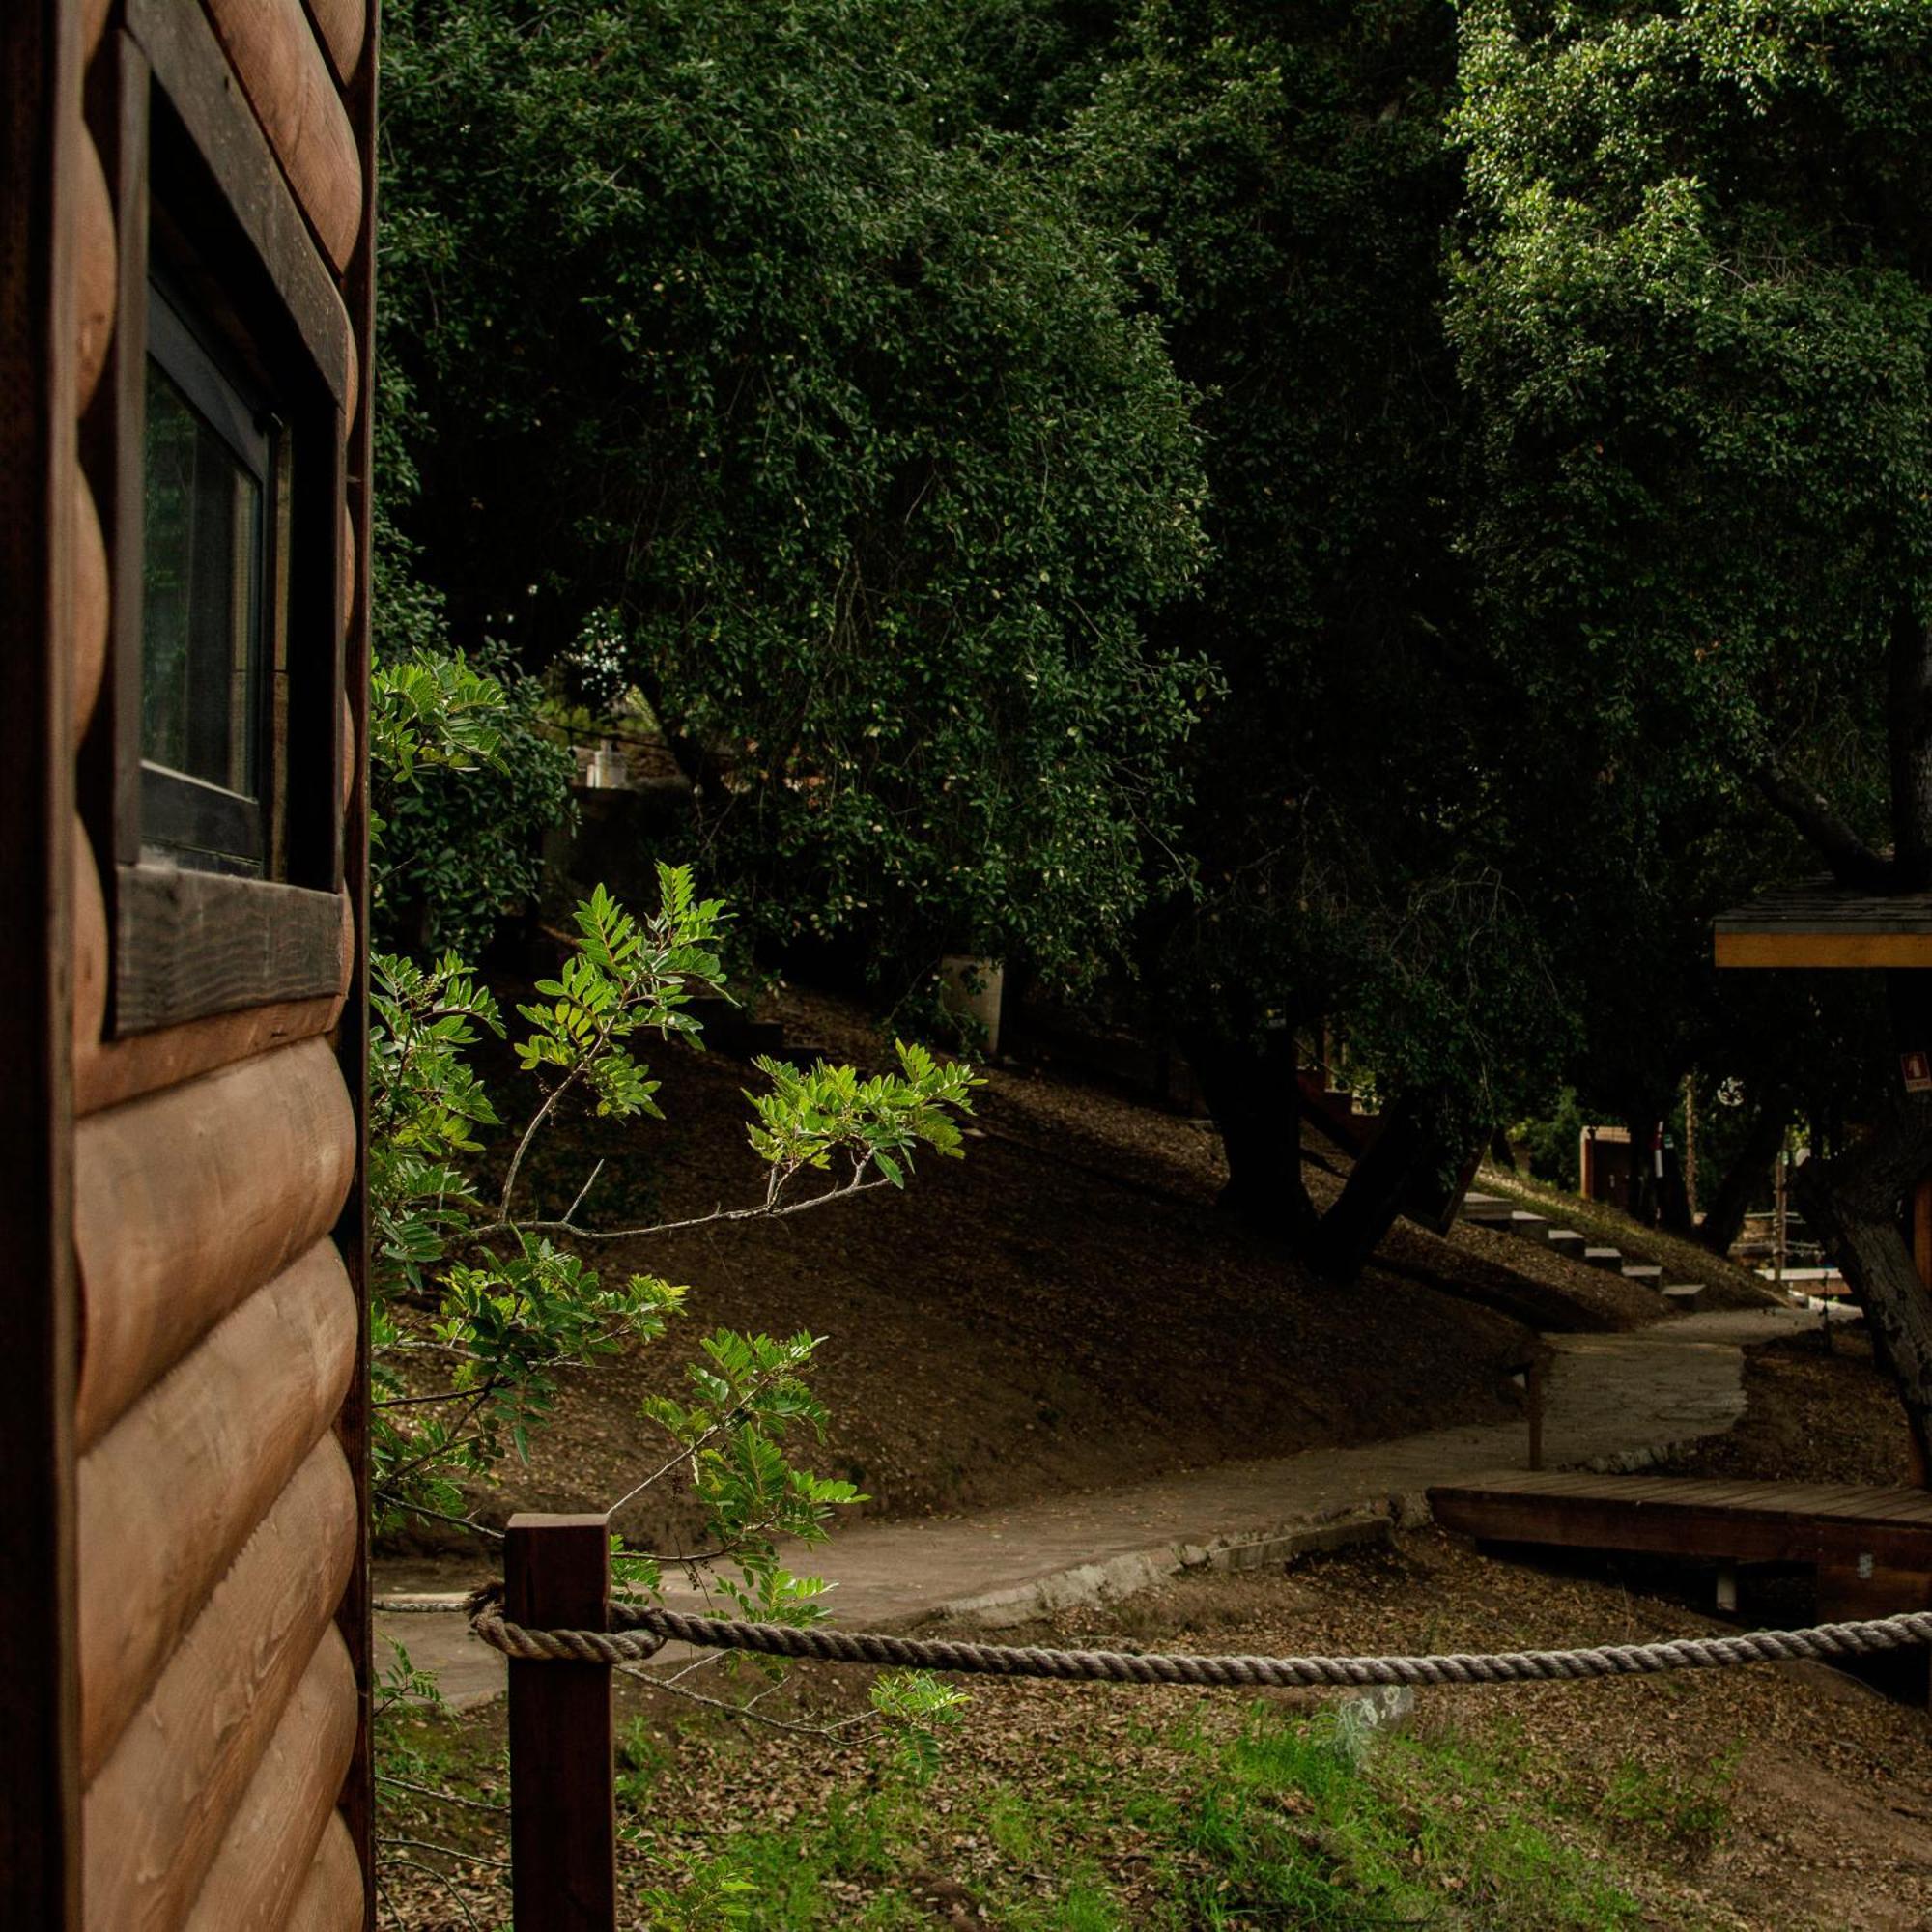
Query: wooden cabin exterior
x: 185, y: 304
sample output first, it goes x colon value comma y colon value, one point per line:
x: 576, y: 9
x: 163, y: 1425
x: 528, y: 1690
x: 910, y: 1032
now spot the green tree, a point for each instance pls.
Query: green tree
x: 1694, y: 311
x: 831, y: 404
x: 1352, y: 818
x: 481, y: 1305
x: 464, y: 782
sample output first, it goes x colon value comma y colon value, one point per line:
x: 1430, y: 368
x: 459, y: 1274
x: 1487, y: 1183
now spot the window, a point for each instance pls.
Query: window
x: 209, y: 514
x: 210, y: 782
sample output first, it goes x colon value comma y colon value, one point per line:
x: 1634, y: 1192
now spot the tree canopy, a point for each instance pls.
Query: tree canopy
x: 1369, y: 521
x: 826, y: 416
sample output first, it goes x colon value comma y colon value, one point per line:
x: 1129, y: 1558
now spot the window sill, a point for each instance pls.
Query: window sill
x: 190, y: 944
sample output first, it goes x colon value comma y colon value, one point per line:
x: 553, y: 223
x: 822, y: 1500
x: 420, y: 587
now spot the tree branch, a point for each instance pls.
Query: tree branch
x: 760, y: 1213
x: 1850, y: 861
x: 746, y: 1713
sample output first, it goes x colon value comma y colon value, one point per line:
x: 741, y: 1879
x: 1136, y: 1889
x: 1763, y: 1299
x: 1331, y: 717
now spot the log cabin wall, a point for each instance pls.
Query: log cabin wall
x: 190, y: 1725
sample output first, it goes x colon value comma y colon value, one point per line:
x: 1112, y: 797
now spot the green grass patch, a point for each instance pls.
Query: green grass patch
x: 1277, y: 1823
x: 1231, y: 1820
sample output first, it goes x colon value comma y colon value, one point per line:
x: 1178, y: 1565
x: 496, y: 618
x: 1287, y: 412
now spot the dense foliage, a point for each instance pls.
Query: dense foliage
x: 1373, y: 519
x: 1695, y: 307
x: 464, y: 782
x: 1692, y: 311
x: 460, y: 828
x: 832, y: 421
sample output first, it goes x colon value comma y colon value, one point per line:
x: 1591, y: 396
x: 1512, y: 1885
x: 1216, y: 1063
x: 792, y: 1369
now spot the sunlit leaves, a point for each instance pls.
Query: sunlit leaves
x: 814, y: 1115
x: 746, y: 1397
x: 628, y: 976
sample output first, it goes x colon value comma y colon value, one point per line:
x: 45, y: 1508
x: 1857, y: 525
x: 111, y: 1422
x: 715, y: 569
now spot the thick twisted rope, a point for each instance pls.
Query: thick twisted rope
x: 639, y: 1632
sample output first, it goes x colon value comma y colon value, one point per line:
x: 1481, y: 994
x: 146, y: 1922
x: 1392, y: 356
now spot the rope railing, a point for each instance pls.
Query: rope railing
x: 636, y: 1633
x: 555, y: 1619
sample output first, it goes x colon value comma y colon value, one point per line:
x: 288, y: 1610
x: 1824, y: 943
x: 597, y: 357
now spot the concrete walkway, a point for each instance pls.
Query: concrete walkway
x: 1613, y: 1400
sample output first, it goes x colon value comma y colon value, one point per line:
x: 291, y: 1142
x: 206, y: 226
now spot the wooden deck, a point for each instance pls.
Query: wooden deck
x: 1830, y: 1524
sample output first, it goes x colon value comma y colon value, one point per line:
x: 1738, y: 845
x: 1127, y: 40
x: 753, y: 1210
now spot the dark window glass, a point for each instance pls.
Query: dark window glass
x: 209, y: 464
x: 201, y: 589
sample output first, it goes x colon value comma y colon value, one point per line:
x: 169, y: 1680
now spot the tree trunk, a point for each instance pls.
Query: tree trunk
x: 1856, y: 1201
x: 1255, y: 1102
x: 1642, y: 1203
x: 1405, y: 1152
x: 1724, y: 1218
x: 1908, y: 730
x: 1673, y: 1197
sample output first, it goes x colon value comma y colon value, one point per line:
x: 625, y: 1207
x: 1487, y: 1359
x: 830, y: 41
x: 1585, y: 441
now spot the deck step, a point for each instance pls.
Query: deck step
x: 1603, y: 1258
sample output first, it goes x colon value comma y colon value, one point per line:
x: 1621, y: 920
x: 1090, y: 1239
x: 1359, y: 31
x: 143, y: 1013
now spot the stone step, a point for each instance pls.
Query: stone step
x: 1684, y: 1294
x: 1603, y: 1258
x: 1531, y: 1226
x: 1568, y: 1241
x: 1647, y: 1272
x: 1492, y: 1210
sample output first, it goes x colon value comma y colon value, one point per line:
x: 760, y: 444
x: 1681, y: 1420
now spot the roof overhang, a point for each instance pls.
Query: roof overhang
x: 1822, y: 923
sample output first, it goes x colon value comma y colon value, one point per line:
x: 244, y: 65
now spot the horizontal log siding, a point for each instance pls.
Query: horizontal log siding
x: 181, y: 1482
x: 219, y: 1515
x: 109, y: 1074
x: 272, y: 1840
x: 343, y: 28
x: 286, y: 76
x: 188, y: 1201
x: 155, y: 1817
x: 91, y: 608
x: 330, y: 1899
x: 95, y: 268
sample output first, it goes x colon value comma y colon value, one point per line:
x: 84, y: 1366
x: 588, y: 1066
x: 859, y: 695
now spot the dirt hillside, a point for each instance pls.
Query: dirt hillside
x: 1062, y: 1309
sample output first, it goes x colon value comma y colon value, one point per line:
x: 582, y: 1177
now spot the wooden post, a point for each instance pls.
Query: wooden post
x: 1780, y: 1230
x: 1922, y: 1258
x: 563, y: 1817
x: 1691, y: 1144
x: 1727, y: 1587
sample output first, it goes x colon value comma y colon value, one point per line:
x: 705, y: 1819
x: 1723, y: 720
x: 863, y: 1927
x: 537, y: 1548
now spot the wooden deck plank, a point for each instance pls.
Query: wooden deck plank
x: 1806, y: 1522
x: 1883, y: 1507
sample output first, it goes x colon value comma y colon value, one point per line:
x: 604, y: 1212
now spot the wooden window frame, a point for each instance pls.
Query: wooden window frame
x: 188, y: 943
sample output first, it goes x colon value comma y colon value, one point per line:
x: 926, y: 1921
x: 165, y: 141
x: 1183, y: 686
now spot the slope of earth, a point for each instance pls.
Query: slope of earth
x: 1817, y: 1410
x: 1061, y: 1310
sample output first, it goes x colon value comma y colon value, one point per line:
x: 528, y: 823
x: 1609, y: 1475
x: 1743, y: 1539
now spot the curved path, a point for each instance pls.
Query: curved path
x: 1616, y: 1400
